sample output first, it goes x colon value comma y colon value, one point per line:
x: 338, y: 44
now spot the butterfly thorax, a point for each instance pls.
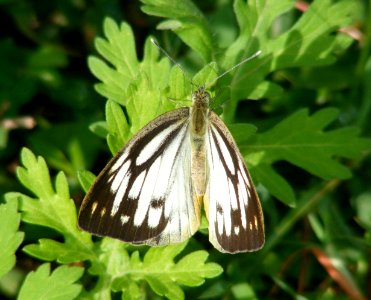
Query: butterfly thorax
x: 199, y: 124
x: 199, y: 112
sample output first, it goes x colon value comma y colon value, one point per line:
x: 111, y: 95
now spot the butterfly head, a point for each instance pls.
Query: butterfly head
x: 201, y: 98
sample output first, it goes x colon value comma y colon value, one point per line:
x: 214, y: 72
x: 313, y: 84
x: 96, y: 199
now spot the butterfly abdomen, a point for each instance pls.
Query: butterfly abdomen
x: 199, y: 122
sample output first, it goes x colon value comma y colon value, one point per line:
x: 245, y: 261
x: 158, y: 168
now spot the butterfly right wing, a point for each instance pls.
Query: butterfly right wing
x: 145, y: 195
x: 231, y: 202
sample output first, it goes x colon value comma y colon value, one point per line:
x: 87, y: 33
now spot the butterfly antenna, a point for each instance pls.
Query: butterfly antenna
x: 153, y: 41
x: 236, y: 66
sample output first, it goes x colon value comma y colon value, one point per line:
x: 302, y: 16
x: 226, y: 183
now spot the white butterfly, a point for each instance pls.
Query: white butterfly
x: 152, y: 191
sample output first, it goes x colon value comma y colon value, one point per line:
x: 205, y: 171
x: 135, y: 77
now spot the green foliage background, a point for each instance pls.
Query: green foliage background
x: 77, y: 74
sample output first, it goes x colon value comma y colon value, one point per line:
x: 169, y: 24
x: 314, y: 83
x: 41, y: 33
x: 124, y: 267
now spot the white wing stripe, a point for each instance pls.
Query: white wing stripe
x: 120, y: 191
x: 119, y: 177
x: 147, y: 192
x: 225, y: 152
x: 183, y: 221
x: 242, y: 168
x: 149, y: 149
x: 243, y: 202
x: 118, y: 163
x: 219, y: 192
x: 242, y: 192
x: 167, y: 164
x: 232, y: 195
x: 137, y: 186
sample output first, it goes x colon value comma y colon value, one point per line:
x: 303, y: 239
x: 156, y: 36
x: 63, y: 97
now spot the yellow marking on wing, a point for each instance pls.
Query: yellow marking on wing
x: 256, y: 222
x: 94, y: 207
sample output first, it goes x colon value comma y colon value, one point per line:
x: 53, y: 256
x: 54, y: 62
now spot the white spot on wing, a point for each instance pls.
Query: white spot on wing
x: 220, y: 222
x: 154, y: 215
x: 124, y: 219
x: 236, y: 230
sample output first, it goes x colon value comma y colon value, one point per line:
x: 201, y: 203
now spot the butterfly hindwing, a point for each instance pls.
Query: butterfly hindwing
x: 231, y: 202
x: 145, y: 195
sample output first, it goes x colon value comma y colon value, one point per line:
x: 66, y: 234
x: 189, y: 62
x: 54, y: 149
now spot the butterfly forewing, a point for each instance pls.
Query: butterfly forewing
x: 233, y: 207
x: 145, y: 195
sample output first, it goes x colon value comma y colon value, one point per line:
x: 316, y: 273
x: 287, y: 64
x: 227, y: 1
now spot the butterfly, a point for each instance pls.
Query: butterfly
x: 153, y: 189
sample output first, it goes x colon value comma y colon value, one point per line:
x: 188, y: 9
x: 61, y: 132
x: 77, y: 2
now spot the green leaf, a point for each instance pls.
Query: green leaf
x: 52, y: 208
x: 60, y: 284
x: 164, y: 275
x: 119, y: 51
x: 187, y: 21
x: 301, y: 140
x: 86, y: 179
x: 99, y: 128
x: 116, y: 122
x: 179, y: 85
x: 243, y: 291
x: 363, y: 206
x: 50, y: 250
x: 111, y: 262
x: 309, y: 42
x: 275, y: 183
x: 206, y: 75
x: 140, y: 86
x: 35, y: 174
x: 10, y: 237
x: 242, y: 132
x: 65, y: 146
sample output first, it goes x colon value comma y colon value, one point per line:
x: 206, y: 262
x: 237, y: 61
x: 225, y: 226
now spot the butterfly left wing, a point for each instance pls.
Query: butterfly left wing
x: 145, y: 195
x: 231, y: 202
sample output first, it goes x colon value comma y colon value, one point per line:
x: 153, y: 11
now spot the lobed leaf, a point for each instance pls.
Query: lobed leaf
x: 310, y: 42
x: 301, y: 140
x: 187, y: 21
x: 164, y: 275
x: 10, y: 237
x: 51, y: 208
x: 60, y: 284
